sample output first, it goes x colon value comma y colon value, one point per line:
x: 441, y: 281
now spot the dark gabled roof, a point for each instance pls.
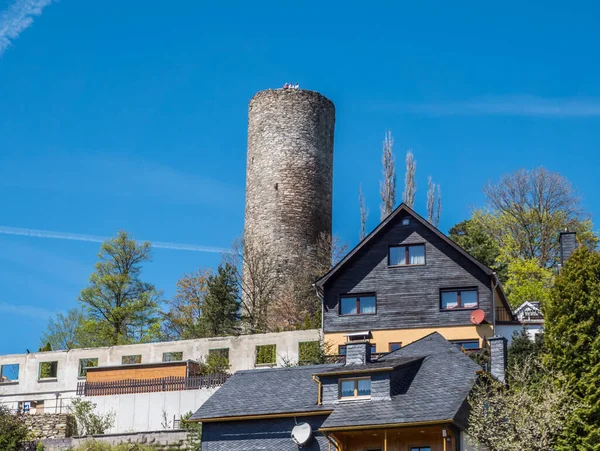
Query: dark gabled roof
x: 264, y: 392
x: 383, y: 225
x: 436, y: 393
x: 439, y: 379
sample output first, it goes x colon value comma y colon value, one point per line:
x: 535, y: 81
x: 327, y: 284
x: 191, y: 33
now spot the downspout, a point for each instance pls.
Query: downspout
x: 494, y: 278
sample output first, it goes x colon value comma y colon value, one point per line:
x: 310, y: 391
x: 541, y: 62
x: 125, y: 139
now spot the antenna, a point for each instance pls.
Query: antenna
x: 301, y: 434
x: 477, y: 317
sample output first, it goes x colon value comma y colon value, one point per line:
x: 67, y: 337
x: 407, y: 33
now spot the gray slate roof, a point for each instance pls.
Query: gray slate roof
x: 437, y: 392
x: 444, y: 377
x: 380, y: 364
x: 265, y: 391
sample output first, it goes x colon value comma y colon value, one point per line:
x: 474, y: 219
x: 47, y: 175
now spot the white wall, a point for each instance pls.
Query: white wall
x: 144, y: 411
x: 507, y: 330
x: 241, y: 357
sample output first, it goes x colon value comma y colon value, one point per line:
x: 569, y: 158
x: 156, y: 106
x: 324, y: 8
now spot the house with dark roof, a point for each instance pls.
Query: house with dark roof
x: 411, y: 399
x: 405, y: 280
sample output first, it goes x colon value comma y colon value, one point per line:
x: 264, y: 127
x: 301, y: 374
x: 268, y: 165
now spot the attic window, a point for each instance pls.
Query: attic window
x: 355, y: 388
x: 406, y: 255
x: 406, y: 221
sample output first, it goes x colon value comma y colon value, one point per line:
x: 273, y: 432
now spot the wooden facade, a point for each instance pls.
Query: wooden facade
x: 396, y: 439
x: 408, y: 298
x: 143, y: 371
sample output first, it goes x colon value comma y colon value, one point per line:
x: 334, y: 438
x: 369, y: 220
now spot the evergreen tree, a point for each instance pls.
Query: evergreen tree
x: 220, y: 311
x: 523, y: 347
x: 572, y: 338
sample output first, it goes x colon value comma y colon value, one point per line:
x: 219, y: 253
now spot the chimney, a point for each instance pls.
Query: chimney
x: 358, y: 352
x: 498, y: 355
x: 568, y: 244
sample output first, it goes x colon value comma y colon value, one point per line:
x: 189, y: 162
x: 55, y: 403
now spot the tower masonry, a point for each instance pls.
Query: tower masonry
x: 289, y: 176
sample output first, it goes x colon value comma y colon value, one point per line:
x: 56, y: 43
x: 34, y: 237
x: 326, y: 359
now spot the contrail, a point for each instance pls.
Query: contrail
x: 25, y: 310
x: 100, y: 239
x: 17, y: 18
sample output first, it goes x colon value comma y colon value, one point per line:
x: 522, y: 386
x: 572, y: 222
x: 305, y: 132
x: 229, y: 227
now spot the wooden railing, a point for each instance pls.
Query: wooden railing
x: 131, y: 386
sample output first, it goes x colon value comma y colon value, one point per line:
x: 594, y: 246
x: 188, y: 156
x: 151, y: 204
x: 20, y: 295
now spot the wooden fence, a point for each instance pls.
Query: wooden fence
x: 131, y: 386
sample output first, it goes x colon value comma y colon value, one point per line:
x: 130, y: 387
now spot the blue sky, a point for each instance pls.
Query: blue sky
x: 132, y: 115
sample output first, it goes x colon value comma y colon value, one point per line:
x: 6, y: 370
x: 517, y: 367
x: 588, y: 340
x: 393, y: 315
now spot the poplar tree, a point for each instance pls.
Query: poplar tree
x: 572, y: 338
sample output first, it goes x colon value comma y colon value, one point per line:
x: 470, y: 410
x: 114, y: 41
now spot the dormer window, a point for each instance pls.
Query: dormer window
x: 355, y: 388
x: 406, y: 255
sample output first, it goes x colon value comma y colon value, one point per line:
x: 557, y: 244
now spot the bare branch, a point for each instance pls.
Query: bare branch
x: 388, y: 182
x: 364, y: 213
x: 410, y: 186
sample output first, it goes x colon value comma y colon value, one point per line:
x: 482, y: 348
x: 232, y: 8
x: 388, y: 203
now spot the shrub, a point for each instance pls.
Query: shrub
x: 13, y: 430
x: 95, y: 445
x: 88, y: 422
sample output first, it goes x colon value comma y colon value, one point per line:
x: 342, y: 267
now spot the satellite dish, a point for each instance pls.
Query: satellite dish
x: 301, y: 433
x: 477, y: 316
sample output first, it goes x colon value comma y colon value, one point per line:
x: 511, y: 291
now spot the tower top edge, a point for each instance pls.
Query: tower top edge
x: 290, y: 93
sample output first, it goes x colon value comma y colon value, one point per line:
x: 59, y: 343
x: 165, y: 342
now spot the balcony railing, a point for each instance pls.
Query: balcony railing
x: 132, y: 386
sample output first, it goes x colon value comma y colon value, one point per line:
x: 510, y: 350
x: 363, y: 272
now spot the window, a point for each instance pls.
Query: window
x: 406, y: 255
x: 405, y: 221
x: 373, y: 348
x: 467, y: 345
x: 464, y: 298
x: 341, y: 349
x: 48, y: 370
x: 358, y: 305
x: 420, y: 448
x: 265, y: 355
x: 172, y: 356
x: 131, y: 359
x: 219, y: 355
x: 394, y: 346
x: 9, y: 373
x: 309, y: 352
x: 84, y: 364
x: 354, y: 388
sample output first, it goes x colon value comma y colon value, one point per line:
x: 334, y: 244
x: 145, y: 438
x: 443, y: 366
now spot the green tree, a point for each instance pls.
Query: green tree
x: 471, y: 236
x: 528, y: 414
x: 220, y: 311
x: 13, y: 430
x: 572, y: 337
x: 527, y: 209
x: 62, y: 331
x: 527, y: 281
x: 123, y: 307
x: 523, y: 347
x: 183, y: 320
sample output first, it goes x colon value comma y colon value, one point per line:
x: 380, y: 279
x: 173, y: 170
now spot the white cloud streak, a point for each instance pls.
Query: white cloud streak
x: 100, y: 239
x: 520, y: 106
x: 17, y: 18
x: 25, y: 310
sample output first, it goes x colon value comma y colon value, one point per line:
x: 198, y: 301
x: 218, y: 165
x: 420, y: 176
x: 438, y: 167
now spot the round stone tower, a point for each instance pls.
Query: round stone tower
x: 289, y: 176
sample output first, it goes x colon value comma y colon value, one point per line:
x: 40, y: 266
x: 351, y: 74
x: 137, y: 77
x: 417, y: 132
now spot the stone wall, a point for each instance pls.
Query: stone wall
x: 289, y: 173
x: 161, y: 440
x: 50, y: 425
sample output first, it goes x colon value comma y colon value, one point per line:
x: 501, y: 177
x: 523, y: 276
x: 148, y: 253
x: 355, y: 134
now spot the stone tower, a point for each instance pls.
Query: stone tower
x: 289, y: 175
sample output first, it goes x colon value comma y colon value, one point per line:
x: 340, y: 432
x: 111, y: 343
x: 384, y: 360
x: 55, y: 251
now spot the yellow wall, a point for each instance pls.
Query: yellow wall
x: 382, y: 338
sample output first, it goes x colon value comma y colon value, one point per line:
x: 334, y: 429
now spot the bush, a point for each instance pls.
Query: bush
x: 88, y: 422
x: 13, y: 430
x: 194, y: 431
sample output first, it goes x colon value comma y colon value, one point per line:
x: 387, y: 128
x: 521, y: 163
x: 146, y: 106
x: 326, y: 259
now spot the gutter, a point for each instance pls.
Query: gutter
x: 494, y: 277
x: 319, y: 395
